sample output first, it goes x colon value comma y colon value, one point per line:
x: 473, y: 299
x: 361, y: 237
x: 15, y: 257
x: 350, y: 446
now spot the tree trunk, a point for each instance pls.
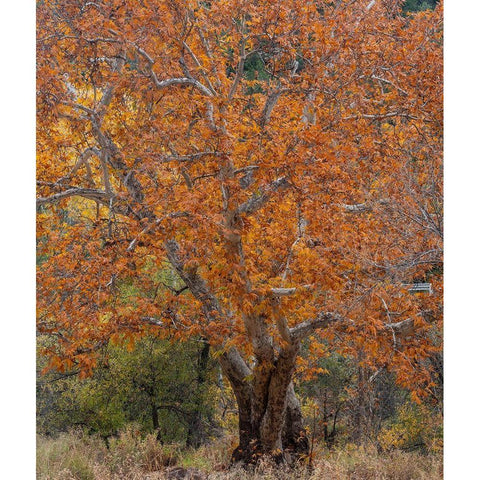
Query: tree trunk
x: 155, y: 421
x: 294, y: 437
x: 289, y: 443
x: 196, y: 433
x: 360, y: 417
x: 270, y: 418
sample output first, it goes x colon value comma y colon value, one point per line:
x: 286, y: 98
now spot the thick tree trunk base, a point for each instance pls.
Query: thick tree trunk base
x: 252, y: 456
x: 249, y: 453
x: 283, y: 440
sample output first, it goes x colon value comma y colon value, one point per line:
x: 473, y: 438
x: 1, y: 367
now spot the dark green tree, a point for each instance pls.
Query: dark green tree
x: 154, y: 386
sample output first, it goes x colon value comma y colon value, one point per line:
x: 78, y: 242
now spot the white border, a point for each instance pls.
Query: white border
x: 462, y: 266
x: 17, y: 240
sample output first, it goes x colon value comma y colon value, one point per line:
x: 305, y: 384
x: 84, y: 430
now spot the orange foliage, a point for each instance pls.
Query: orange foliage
x: 314, y: 185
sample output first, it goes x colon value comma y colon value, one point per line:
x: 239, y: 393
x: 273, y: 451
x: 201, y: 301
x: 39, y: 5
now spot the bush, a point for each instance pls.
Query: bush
x: 414, y: 426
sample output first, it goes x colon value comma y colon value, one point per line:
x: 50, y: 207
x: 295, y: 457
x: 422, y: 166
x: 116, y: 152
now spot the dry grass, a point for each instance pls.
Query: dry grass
x: 75, y: 456
x: 355, y: 464
x: 363, y: 464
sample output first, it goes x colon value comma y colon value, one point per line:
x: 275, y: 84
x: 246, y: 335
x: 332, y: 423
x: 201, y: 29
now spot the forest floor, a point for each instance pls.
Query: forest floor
x: 75, y: 456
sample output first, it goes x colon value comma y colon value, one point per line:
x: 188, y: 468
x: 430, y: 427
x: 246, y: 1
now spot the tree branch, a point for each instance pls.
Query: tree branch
x: 405, y: 327
x: 282, y: 292
x: 152, y: 225
x: 302, y: 330
x: 191, y: 157
x: 270, y: 103
x: 199, y: 65
x: 239, y: 72
x: 90, y: 193
x: 357, y: 208
x: 325, y: 319
x: 172, y: 81
x: 258, y: 200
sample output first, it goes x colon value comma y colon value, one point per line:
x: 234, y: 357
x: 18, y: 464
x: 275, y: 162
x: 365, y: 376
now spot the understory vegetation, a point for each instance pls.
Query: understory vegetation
x: 75, y: 455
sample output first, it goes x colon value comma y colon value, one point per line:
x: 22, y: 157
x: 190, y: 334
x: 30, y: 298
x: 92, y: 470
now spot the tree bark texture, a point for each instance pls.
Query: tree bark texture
x: 270, y: 418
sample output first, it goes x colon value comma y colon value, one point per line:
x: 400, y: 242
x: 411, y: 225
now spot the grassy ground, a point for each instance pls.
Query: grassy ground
x: 75, y: 456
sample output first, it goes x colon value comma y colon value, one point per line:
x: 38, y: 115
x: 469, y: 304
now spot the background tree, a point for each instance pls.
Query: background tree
x: 418, y: 5
x: 153, y: 386
x: 288, y: 205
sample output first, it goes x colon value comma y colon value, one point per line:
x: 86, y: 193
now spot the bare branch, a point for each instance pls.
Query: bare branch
x: 282, y: 292
x: 302, y: 330
x: 356, y: 208
x: 172, y: 81
x: 210, y: 118
x: 239, y: 73
x: 192, y: 157
x: 199, y: 65
x: 384, y: 80
x: 363, y: 207
x: 381, y: 116
x: 246, y: 169
x: 258, y: 200
x: 282, y: 326
x: 325, y: 319
x: 79, y: 106
x: 82, y: 160
x: 270, y: 103
x: 90, y: 193
x: 405, y: 327
x: 153, y: 321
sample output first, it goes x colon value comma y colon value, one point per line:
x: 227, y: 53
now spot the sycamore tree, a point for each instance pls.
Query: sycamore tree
x: 252, y: 173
